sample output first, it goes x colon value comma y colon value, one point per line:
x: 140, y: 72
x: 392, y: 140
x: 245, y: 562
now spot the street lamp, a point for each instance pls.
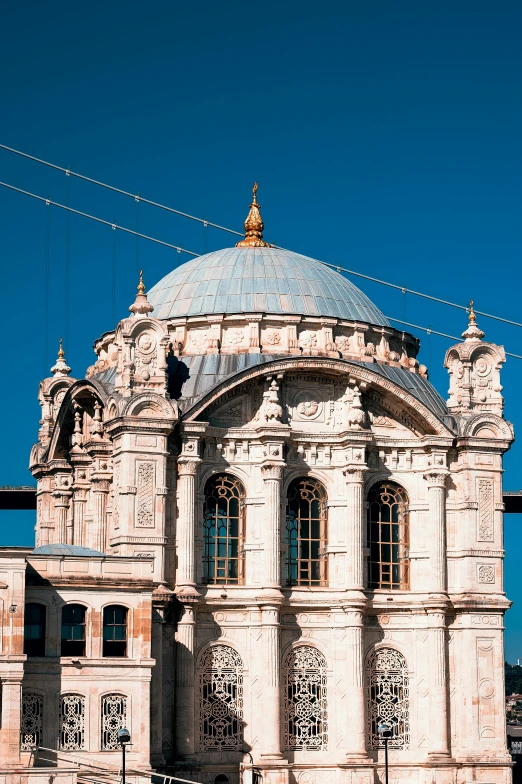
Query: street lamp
x: 385, y: 731
x: 123, y: 738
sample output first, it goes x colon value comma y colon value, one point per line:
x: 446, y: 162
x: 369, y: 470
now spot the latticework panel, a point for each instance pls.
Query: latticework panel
x: 32, y: 720
x: 72, y: 722
x: 113, y: 718
x: 306, y: 716
x: 221, y: 699
x: 388, y: 697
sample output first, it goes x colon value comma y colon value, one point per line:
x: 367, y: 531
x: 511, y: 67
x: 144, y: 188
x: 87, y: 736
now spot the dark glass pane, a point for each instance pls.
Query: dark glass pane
x: 385, y: 552
x: 396, y: 574
x: 374, y: 532
x: 395, y: 553
x: 375, y: 509
x: 316, y: 529
x: 233, y: 526
x: 234, y: 507
x: 395, y: 533
x: 395, y: 513
x: 305, y: 529
x: 305, y: 550
x: 385, y: 513
x: 314, y: 549
x: 385, y: 532
x: 315, y: 508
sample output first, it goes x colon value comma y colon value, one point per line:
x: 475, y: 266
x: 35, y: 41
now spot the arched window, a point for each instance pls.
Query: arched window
x: 113, y: 718
x: 221, y: 699
x: 73, y: 630
x: 223, y: 530
x: 388, y: 697
x: 34, y: 630
x: 71, y: 731
x: 114, y: 630
x: 388, y: 537
x: 32, y: 720
x: 306, y: 717
x: 306, y: 533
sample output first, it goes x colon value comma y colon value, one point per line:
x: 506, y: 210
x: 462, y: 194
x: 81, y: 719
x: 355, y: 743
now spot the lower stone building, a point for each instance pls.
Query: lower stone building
x: 261, y: 533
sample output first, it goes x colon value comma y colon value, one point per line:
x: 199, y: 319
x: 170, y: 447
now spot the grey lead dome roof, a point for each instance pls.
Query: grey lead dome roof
x: 260, y: 280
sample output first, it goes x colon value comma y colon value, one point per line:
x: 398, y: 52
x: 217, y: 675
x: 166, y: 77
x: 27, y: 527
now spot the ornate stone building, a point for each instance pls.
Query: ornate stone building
x: 260, y: 533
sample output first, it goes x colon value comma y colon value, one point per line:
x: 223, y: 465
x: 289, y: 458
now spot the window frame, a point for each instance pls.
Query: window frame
x: 386, y: 566
x: 322, y: 559
x: 43, y: 639
x: 211, y: 557
x: 114, y: 626
x: 72, y: 649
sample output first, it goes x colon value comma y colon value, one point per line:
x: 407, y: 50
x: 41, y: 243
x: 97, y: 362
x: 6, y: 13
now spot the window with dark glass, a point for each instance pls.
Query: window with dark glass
x: 73, y: 630
x: 306, y: 533
x: 223, y: 530
x: 388, y: 537
x: 115, y: 630
x: 34, y: 630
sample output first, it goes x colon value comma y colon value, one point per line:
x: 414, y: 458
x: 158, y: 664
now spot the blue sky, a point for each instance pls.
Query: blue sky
x: 385, y: 136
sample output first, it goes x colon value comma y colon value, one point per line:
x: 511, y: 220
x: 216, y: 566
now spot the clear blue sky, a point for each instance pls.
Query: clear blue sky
x: 385, y: 136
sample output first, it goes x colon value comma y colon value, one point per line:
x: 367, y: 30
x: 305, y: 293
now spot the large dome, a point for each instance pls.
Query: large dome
x: 260, y: 280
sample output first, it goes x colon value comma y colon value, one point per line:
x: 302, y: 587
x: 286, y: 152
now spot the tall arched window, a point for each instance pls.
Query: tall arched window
x: 388, y: 697
x: 388, y: 537
x: 221, y: 699
x: 113, y: 718
x: 114, y: 630
x: 73, y: 630
x: 34, y: 630
x: 306, y: 718
x: 71, y: 732
x: 32, y: 720
x: 306, y: 533
x: 223, y: 530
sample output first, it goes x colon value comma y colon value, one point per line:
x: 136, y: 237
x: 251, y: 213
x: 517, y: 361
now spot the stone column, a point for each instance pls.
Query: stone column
x: 272, y: 475
x: 101, y: 488
x: 185, y: 696
x: 354, y: 729
x: 438, y: 735
x: 11, y: 719
x: 436, y: 482
x: 61, y: 505
x: 156, y: 685
x: 355, y: 524
x: 271, y: 701
x: 186, y: 524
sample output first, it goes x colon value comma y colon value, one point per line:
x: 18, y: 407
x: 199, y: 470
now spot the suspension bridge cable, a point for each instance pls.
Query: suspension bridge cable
x: 206, y: 223
x: 179, y: 249
x: 99, y: 220
x: 121, y: 191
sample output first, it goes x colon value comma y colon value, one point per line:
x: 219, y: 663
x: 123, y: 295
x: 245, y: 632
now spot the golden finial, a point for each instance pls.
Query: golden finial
x: 472, y: 319
x: 254, y: 226
x: 141, y: 305
x: 141, y: 285
x: 61, y: 352
x: 61, y: 368
x: 472, y: 331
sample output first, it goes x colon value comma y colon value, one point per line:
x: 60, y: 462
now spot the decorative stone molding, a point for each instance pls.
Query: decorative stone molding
x: 187, y: 467
x: 485, y: 573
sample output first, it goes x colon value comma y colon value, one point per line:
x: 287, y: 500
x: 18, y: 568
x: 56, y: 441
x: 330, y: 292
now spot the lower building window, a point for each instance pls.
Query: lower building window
x: 32, y: 720
x: 113, y: 718
x: 72, y: 722
x: 221, y: 700
x: 306, y: 720
x: 388, y: 697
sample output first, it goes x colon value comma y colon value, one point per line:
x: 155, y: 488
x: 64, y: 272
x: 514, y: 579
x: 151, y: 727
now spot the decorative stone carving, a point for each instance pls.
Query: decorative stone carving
x: 32, y: 721
x: 72, y: 722
x: 305, y: 706
x: 113, y: 718
x: 271, y: 410
x: 221, y: 699
x: 486, y: 573
x: 145, y: 495
x: 272, y: 337
x: 485, y: 510
x: 388, y: 697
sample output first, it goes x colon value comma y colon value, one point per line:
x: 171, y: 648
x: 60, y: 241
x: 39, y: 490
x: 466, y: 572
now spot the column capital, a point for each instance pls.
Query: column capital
x: 436, y: 477
x: 272, y: 470
x: 353, y: 617
x: 187, y: 466
x: 354, y: 474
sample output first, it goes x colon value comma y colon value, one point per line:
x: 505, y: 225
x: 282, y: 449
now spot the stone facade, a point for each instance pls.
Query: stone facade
x: 305, y: 546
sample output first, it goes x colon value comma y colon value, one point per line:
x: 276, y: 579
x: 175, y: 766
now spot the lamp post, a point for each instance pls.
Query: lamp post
x: 123, y: 738
x: 385, y: 731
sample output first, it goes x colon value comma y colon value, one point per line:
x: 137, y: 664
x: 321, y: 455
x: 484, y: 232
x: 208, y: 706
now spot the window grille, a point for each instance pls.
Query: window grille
x: 306, y: 714
x: 388, y: 537
x: 388, y: 697
x: 113, y: 718
x: 34, y: 630
x: 73, y: 630
x: 221, y: 699
x: 114, y: 630
x: 223, y: 522
x: 32, y: 720
x: 72, y: 722
x: 306, y: 533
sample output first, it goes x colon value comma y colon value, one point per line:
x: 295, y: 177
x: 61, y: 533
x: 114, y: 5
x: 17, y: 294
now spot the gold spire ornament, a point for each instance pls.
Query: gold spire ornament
x: 61, y: 368
x: 141, y: 306
x: 472, y: 332
x: 472, y: 317
x: 254, y: 226
x: 61, y: 352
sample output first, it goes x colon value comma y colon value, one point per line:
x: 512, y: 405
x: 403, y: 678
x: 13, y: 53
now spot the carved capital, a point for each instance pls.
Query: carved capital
x: 272, y: 471
x: 62, y: 497
x: 436, y: 477
x: 354, y: 474
x: 187, y: 467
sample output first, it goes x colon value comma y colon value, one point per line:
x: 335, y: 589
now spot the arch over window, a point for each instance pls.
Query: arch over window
x: 388, y: 697
x: 306, y: 520
x: 306, y: 715
x: 34, y: 629
x: 221, y: 699
x: 223, y: 523
x: 71, y: 731
x: 113, y: 718
x: 114, y: 630
x: 73, y: 630
x: 388, y: 537
x: 31, y: 725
